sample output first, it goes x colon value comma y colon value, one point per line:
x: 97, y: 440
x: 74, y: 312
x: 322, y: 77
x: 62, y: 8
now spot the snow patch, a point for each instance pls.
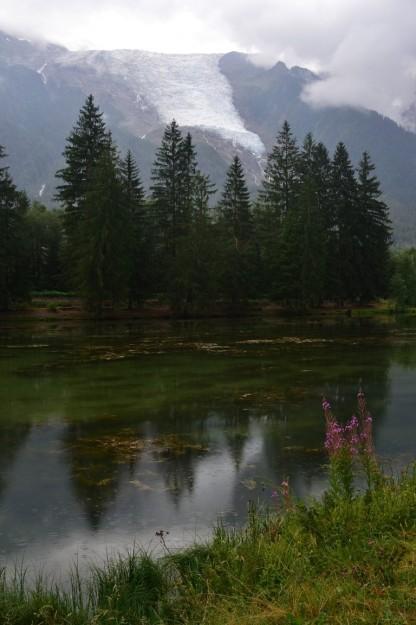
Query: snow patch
x: 41, y: 73
x: 141, y: 102
x: 187, y: 87
x: 42, y: 189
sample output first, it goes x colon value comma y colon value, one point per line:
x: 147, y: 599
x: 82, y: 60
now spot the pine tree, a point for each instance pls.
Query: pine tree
x: 167, y: 188
x: 194, y: 283
x: 235, y: 204
x: 282, y: 175
x: 135, y: 227
x: 313, y: 205
x: 176, y: 183
x: 277, y: 198
x: 303, y: 241
x: 322, y: 173
x: 83, y: 149
x: 237, y: 224
x: 189, y: 169
x: 375, y: 231
x: 45, y: 234
x: 347, y: 255
x: 103, y: 267
x: 203, y: 189
x: 14, y: 277
x: 132, y: 184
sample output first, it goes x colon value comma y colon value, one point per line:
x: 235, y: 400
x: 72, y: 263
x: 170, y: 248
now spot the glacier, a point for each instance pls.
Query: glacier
x: 187, y: 87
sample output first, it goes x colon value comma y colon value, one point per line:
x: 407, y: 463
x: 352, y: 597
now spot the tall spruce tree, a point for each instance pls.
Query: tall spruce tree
x: 235, y: 204
x: 14, y: 275
x: 189, y: 169
x: 277, y: 198
x: 103, y: 266
x: 84, y: 148
x: 322, y: 174
x: 375, y: 231
x: 167, y: 188
x: 304, y: 238
x: 237, y: 222
x: 347, y: 254
x: 135, y: 227
x: 194, y: 285
x: 282, y: 174
x: 173, y: 191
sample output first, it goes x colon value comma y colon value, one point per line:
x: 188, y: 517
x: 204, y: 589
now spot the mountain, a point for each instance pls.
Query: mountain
x: 229, y: 104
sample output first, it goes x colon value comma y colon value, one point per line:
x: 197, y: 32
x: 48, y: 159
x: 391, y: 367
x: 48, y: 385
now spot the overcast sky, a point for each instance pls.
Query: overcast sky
x: 367, y: 47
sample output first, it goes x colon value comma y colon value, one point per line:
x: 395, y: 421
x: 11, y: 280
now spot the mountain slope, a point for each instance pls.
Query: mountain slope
x: 227, y: 102
x: 265, y: 98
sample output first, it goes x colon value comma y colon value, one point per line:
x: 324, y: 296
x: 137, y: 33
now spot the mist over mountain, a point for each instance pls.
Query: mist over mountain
x: 229, y: 104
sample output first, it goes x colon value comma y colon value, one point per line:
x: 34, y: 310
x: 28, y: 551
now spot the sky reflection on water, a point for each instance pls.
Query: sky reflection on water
x: 110, y: 433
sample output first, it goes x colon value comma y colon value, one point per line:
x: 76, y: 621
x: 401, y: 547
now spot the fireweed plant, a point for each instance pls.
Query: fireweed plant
x: 350, y: 445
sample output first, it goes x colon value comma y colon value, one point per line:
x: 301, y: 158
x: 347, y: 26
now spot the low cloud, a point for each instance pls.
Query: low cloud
x: 365, y: 49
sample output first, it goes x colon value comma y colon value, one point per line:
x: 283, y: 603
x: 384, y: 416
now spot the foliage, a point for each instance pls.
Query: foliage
x: 14, y: 283
x: 45, y: 238
x: 403, y: 278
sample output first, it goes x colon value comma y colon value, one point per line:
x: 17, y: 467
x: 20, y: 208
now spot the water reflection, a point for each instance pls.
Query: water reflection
x: 111, y: 433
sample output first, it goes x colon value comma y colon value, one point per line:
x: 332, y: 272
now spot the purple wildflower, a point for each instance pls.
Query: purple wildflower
x: 354, y: 437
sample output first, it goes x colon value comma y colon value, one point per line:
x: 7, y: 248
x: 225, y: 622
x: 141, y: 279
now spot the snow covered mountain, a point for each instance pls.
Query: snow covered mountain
x: 229, y: 104
x: 190, y: 88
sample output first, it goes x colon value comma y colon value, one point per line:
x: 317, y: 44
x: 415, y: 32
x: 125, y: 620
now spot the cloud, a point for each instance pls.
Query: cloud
x: 366, y: 48
x: 155, y: 25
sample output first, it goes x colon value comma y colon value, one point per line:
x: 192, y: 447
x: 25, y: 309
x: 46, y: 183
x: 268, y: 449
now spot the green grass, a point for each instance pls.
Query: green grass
x: 329, y: 562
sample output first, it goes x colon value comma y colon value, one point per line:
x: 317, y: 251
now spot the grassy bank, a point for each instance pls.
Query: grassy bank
x: 347, y: 559
x: 328, y: 562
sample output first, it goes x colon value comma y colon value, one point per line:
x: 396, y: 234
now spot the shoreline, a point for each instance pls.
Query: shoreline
x: 70, y: 309
x: 336, y: 561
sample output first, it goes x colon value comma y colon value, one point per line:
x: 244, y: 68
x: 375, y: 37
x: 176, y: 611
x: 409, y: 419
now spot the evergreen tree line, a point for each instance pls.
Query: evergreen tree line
x: 30, y: 243
x: 318, y: 230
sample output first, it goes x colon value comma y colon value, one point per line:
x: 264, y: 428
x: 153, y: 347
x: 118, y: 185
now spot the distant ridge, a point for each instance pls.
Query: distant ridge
x: 229, y: 104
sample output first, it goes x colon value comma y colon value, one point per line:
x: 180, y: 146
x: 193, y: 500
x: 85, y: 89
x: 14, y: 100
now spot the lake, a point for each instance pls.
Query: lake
x: 110, y: 432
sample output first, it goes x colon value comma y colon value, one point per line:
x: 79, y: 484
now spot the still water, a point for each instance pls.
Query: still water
x: 111, y: 432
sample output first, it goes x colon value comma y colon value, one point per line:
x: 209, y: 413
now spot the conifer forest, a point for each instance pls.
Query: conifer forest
x: 316, y: 231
